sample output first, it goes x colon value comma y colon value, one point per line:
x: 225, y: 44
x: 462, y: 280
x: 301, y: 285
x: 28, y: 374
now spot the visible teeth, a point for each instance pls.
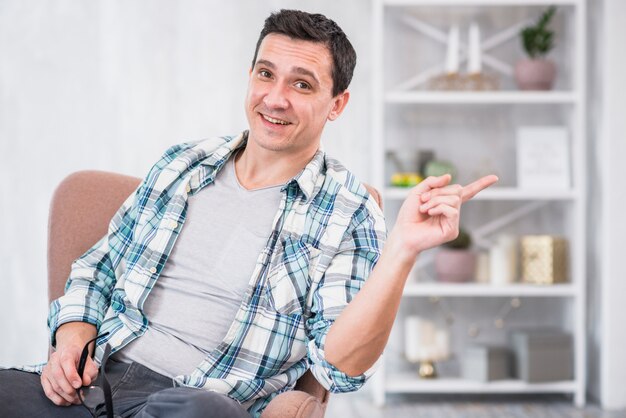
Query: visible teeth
x: 277, y: 121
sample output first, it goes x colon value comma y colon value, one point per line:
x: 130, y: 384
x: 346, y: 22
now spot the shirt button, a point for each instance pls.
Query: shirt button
x: 188, y: 188
x: 174, y: 224
x: 153, y: 270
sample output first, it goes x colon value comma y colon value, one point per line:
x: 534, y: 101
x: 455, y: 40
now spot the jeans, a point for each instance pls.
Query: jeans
x: 137, y: 392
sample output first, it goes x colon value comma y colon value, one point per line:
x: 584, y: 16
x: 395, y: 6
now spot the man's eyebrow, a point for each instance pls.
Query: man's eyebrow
x: 304, y: 71
x: 265, y: 63
x: 297, y: 70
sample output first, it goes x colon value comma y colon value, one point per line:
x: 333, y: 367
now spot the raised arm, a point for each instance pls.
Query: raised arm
x: 428, y: 217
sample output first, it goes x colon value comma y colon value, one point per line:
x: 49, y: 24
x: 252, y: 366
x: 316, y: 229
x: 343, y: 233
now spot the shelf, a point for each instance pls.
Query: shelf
x: 479, y: 2
x: 488, y: 290
x: 497, y: 193
x: 495, y: 97
x: 406, y: 383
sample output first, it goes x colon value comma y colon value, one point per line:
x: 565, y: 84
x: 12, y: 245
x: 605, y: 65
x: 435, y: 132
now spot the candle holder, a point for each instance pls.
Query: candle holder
x: 427, y: 369
x: 480, y: 82
x: 446, y: 81
x: 464, y: 82
x: 425, y: 344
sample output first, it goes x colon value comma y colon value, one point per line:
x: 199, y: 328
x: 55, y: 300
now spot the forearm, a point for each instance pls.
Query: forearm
x: 359, y: 335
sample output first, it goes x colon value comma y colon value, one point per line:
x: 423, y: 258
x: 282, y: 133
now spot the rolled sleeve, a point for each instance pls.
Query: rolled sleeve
x: 359, y: 251
x: 92, y: 276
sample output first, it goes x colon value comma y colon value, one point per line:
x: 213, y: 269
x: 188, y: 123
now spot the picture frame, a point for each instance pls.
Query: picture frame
x: 543, y: 157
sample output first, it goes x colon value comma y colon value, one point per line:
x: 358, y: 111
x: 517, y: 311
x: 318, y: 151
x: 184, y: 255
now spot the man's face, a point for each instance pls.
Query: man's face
x: 289, y: 95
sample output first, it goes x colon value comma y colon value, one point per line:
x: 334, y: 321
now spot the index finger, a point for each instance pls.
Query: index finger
x: 473, y: 188
x: 71, y: 373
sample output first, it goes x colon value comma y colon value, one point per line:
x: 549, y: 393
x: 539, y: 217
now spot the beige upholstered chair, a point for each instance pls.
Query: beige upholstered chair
x: 82, y: 206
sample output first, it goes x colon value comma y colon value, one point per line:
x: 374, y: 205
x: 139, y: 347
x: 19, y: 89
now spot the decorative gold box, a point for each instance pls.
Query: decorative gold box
x: 544, y: 259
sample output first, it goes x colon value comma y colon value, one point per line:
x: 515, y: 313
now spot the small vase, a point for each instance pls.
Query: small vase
x: 535, y: 74
x: 455, y: 265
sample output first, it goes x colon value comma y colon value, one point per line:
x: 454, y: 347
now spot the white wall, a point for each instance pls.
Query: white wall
x: 110, y: 85
x: 607, y: 198
x: 594, y: 194
x: 612, y: 170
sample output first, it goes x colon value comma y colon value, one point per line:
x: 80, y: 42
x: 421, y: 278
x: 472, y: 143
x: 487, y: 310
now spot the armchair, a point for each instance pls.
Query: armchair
x: 81, y: 208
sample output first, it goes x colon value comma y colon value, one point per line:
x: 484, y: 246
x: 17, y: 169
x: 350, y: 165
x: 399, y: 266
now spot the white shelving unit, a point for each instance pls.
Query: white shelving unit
x: 497, y: 97
x: 474, y: 290
x: 499, y: 193
x: 397, y: 102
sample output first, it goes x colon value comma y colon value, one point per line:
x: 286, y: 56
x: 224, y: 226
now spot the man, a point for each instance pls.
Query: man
x: 267, y: 277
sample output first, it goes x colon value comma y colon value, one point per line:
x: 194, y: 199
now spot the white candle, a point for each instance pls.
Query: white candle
x: 442, y: 342
x: 497, y: 268
x: 412, y: 343
x: 452, y: 57
x: 422, y: 340
x: 428, y: 343
x: 474, y: 63
x: 509, y: 242
x: 503, y: 260
x: 482, y: 267
x: 424, y: 353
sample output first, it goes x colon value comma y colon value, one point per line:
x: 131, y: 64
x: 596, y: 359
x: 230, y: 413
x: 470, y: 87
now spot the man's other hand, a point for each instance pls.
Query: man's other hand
x: 430, y: 214
x: 60, y: 377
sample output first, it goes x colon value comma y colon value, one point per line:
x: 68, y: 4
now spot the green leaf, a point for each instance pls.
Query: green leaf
x: 537, y: 40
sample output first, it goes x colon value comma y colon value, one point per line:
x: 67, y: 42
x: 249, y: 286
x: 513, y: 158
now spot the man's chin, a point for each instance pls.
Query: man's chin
x: 271, y: 144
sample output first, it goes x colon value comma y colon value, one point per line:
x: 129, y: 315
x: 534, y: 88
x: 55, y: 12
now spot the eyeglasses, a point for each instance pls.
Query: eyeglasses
x: 99, y: 391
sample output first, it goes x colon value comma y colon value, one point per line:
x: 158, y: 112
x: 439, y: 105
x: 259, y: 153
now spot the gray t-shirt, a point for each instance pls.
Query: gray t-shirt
x: 196, y: 297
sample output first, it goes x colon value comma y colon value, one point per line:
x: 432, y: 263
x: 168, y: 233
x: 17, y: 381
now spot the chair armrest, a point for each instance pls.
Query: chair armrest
x: 294, y: 404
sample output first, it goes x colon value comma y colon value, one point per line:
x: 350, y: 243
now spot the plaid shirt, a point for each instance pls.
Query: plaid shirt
x: 327, y: 236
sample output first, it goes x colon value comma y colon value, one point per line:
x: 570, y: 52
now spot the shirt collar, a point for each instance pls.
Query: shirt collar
x: 306, y: 180
x: 218, y: 156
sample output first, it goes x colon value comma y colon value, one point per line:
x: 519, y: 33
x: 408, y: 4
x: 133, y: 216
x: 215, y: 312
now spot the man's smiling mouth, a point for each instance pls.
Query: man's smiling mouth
x: 275, y: 121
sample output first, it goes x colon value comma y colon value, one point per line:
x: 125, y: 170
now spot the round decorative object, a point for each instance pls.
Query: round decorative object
x: 535, y: 74
x: 427, y: 370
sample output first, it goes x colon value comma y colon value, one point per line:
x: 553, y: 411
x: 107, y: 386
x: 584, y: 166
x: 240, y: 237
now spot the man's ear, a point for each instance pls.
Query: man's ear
x: 339, y: 103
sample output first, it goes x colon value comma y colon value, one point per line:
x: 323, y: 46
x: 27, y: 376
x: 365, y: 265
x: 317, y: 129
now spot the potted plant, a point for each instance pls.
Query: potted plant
x: 536, y: 72
x: 455, y: 261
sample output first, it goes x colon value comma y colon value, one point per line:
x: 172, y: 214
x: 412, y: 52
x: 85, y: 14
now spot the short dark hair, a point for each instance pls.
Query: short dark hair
x: 316, y: 28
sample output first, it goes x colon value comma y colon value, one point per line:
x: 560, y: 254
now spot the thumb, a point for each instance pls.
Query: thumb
x: 91, y: 372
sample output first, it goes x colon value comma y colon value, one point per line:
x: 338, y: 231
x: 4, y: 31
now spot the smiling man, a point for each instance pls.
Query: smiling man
x: 291, y: 95
x: 241, y: 262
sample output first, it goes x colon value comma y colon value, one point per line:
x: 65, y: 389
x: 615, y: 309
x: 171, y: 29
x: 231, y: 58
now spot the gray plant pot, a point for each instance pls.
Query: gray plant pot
x: 535, y: 74
x: 455, y: 265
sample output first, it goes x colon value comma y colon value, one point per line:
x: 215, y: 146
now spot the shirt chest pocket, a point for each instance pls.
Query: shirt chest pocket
x: 288, y: 278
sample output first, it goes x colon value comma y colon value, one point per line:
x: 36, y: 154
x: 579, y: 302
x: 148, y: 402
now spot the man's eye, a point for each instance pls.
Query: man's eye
x: 303, y: 85
x: 265, y: 73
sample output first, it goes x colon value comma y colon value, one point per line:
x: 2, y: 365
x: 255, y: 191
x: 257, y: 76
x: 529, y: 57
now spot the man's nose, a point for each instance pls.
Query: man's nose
x: 276, y: 97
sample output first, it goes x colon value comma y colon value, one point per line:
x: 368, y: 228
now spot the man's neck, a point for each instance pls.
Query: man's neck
x: 256, y: 168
